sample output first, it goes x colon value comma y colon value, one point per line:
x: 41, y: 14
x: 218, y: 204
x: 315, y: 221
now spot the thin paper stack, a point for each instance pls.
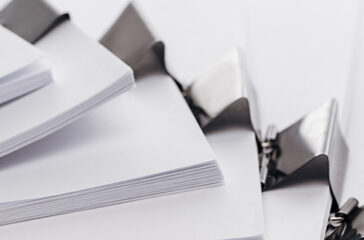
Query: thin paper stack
x: 23, y: 67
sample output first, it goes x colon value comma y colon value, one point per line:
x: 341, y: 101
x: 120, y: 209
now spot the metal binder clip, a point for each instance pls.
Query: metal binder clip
x: 223, y: 95
x: 144, y: 55
x: 36, y: 19
x: 347, y: 223
x: 314, y: 140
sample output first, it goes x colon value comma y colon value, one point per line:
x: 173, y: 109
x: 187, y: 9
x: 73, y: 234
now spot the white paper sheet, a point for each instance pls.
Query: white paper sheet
x: 299, y: 211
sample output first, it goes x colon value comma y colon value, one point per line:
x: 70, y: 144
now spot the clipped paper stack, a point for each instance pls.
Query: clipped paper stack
x: 154, y: 130
x: 22, y: 66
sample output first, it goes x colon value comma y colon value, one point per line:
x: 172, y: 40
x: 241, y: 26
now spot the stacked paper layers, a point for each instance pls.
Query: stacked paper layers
x: 231, y: 211
x: 22, y: 67
x: 85, y: 75
x: 143, y: 144
x: 194, y: 177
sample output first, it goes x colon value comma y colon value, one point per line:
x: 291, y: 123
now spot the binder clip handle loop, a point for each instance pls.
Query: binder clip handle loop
x: 268, y: 156
x: 338, y: 224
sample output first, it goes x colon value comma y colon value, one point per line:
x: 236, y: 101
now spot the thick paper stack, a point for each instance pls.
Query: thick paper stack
x: 23, y: 68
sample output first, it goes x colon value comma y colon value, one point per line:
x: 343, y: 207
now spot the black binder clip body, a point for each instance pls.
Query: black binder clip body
x: 347, y: 223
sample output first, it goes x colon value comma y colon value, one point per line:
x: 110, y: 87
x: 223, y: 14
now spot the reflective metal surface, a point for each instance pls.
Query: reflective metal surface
x: 37, y: 18
x: 225, y: 95
x: 131, y: 40
x: 316, y: 137
x: 358, y: 222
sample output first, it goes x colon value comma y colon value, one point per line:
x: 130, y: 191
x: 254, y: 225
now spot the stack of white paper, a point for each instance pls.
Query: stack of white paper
x: 232, y: 211
x: 85, y: 75
x: 140, y: 145
x: 22, y: 66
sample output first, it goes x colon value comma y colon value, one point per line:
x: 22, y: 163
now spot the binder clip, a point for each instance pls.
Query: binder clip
x: 131, y: 40
x: 38, y: 18
x: 347, y: 223
x: 223, y: 97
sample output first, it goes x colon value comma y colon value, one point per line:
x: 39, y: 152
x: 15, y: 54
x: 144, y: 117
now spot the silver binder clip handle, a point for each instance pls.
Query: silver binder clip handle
x: 264, y: 169
x: 348, y: 207
x: 338, y: 224
x: 269, y: 153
